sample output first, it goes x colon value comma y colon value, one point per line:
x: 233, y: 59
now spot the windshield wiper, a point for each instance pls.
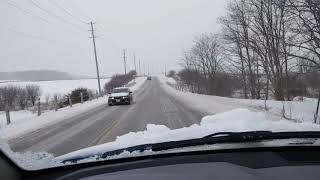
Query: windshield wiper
x: 216, y: 138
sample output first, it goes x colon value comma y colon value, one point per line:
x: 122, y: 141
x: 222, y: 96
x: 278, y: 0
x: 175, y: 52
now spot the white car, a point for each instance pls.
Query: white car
x: 121, y: 95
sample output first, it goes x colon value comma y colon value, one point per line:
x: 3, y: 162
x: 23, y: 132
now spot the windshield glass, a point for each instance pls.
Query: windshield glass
x: 120, y: 90
x: 190, y: 69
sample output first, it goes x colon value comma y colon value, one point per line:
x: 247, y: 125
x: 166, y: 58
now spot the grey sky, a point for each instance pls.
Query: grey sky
x: 158, y: 31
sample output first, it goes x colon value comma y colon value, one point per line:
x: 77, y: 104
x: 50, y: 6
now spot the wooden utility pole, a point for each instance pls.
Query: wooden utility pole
x: 144, y: 69
x: 70, y: 100
x: 81, y: 97
x: 135, y: 65
x: 39, y: 107
x: 124, y: 61
x: 7, y: 109
x: 165, y: 70
x: 95, y: 55
x: 139, y: 67
x: 56, y: 103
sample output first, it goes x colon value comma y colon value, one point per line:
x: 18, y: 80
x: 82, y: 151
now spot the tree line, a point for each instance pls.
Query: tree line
x: 13, y: 97
x: 21, y: 97
x: 264, y: 47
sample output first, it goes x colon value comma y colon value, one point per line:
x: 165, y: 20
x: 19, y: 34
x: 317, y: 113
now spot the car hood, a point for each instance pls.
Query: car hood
x: 118, y: 94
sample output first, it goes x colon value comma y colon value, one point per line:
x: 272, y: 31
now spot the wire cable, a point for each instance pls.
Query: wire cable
x: 56, y: 16
x: 23, y: 33
x: 15, y: 5
x: 67, y: 12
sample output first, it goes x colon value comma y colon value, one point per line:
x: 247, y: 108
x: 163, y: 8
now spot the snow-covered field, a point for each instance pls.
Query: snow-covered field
x: 59, y: 86
x: 23, y: 122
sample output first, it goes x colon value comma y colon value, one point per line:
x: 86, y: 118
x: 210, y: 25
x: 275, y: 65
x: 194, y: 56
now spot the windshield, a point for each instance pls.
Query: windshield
x: 122, y: 90
x: 189, y: 69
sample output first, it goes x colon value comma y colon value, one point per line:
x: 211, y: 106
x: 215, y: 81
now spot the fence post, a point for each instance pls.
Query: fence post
x: 7, y: 109
x: 81, y: 96
x: 70, y: 101
x: 55, y: 103
x: 39, y: 108
x: 317, y: 111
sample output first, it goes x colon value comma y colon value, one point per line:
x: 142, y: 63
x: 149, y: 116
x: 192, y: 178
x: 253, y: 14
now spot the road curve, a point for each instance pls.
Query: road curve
x: 152, y: 105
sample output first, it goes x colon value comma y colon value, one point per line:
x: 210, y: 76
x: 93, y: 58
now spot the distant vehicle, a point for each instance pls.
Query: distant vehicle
x: 149, y: 78
x: 121, y: 95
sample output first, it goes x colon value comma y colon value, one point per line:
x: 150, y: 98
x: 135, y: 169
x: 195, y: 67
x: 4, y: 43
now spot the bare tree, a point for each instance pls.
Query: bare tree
x: 307, y: 30
x: 47, y: 98
x: 33, y: 93
x: 9, y: 95
x: 22, y: 98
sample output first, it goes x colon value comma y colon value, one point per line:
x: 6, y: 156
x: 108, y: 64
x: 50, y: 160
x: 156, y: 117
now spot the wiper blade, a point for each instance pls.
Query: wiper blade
x: 217, y: 138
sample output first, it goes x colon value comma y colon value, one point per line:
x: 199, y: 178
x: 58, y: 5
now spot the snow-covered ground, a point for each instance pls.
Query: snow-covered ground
x: 23, y: 122
x: 227, y: 115
x: 237, y: 120
x: 59, y: 86
x: 301, y: 111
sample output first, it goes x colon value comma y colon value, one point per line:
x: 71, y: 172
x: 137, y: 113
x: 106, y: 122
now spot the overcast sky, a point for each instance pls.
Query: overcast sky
x: 157, y: 31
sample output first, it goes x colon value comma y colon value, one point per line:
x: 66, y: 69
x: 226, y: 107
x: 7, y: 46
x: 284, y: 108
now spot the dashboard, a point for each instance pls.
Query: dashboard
x: 250, y: 164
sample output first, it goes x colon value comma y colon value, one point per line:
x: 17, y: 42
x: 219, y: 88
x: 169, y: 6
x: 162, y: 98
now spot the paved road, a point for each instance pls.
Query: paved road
x: 152, y: 105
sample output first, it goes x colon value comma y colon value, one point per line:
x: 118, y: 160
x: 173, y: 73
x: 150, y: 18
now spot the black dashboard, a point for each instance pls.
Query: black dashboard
x: 252, y: 163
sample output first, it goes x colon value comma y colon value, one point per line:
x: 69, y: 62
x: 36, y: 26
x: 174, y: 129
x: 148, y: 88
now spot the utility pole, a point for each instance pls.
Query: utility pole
x: 95, y: 55
x: 124, y: 61
x: 165, y: 70
x: 148, y: 70
x: 135, y: 66
x: 144, y: 69
x: 139, y: 67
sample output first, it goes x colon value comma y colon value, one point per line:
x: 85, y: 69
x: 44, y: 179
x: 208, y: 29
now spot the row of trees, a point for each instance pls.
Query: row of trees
x: 16, y: 96
x: 119, y: 80
x: 19, y: 98
x: 264, y: 46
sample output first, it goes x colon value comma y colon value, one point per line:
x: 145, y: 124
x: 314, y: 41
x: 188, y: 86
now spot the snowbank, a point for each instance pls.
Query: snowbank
x: 137, y: 83
x: 23, y: 122
x: 294, y: 110
x: 237, y: 120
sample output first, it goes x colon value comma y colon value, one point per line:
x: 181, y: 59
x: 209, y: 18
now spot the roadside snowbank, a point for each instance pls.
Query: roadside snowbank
x: 23, y: 122
x: 294, y: 110
x: 237, y: 120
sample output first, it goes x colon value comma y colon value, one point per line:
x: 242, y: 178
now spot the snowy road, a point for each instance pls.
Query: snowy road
x: 152, y: 105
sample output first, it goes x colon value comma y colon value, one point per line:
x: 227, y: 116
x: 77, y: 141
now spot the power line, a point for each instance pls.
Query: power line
x: 13, y: 4
x: 23, y: 33
x: 66, y: 11
x: 55, y: 16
